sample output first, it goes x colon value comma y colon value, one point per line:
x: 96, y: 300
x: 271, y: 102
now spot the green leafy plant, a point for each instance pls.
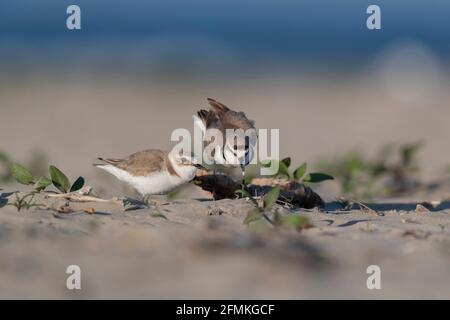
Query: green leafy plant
x: 299, y: 174
x: 26, y: 201
x: 260, y: 212
x: 390, y: 171
x: 36, y: 164
x: 21, y: 174
x: 173, y: 194
x: 5, y: 163
x: 62, y: 183
x: 267, y: 212
x: 57, y: 178
x: 42, y: 183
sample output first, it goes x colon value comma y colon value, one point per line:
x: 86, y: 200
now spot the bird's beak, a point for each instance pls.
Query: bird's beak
x: 199, y: 166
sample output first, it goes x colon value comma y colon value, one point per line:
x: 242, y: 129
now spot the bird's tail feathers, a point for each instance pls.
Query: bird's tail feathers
x: 107, y: 161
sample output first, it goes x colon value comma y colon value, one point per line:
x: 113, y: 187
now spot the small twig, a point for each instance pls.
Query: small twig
x: 268, y: 219
x: 362, y: 205
x: 286, y: 202
x: 75, y: 197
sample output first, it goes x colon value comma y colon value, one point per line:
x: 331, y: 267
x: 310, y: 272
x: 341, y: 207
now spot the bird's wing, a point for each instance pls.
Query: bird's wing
x: 236, y: 120
x: 141, y: 163
x: 207, y: 120
x: 217, y: 106
x: 230, y: 119
x: 200, y: 120
x: 202, y: 114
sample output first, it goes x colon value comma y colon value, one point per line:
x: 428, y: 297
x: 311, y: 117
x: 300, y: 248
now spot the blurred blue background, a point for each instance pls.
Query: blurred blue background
x: 209, y: 36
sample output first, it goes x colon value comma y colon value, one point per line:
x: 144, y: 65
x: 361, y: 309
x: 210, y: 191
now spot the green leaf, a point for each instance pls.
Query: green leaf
x: 271, y: 197
x: 317, y: 177
x: 42, y: 183
x: 300, y: 171
x: 159, y: 215
x: 248, y: 179
x: 253, y: 215
x: 283, y: 169
x: 246, y: 194
x: 21, y: 174
x: 59, y: 179
x: 173, y: 194
x: 295, y: 221
x: 77, y: 185
x: 409, y: 152
x: 287, y: 161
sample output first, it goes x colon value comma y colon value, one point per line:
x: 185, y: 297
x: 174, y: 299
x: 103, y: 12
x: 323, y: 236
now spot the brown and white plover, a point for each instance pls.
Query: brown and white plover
x: 152, y: 172
x: 233, y: 152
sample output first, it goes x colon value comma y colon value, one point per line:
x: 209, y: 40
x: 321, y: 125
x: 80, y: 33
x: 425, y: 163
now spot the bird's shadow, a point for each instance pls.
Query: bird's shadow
x: 4, y: 198
x: 352, y: 222
x: 101, y: 213
x: 388, y: 206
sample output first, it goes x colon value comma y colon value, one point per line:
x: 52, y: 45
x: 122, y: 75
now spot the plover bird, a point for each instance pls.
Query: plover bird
x: 240, y: 149
x: 152, y: 172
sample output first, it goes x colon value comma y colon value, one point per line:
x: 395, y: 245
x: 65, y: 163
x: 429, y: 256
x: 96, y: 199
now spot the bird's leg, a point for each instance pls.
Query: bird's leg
x: 243, y: 177
x: 154, y: 204
x: 155, y: 200
x: 145, y: 200
x: 214, y: 188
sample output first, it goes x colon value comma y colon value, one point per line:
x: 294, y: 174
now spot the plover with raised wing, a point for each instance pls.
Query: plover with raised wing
x: 152, y: 172
x: 236, y: 151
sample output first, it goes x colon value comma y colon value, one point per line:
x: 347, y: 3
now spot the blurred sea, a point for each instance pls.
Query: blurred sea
x: 197, y: 36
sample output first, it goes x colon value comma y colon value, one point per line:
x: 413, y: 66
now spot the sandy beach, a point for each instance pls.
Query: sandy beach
x: 203, y: 249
